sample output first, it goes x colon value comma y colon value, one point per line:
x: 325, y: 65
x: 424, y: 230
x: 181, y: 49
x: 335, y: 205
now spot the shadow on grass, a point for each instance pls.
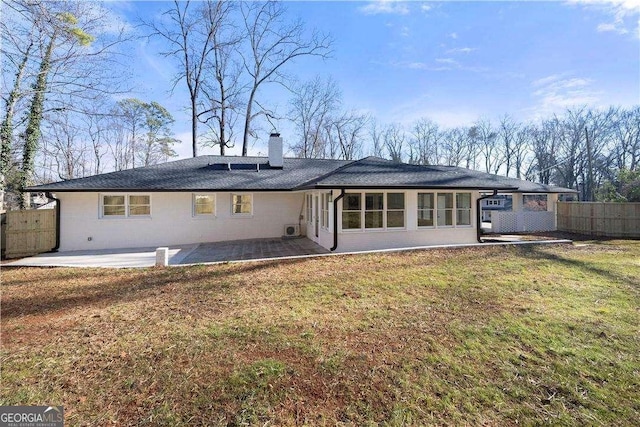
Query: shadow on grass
x: 538, y: 252
x: 121, y: 286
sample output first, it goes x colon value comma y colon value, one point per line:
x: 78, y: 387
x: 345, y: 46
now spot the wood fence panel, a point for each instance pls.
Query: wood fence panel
x: 600, y: 219
x: 30, y: 232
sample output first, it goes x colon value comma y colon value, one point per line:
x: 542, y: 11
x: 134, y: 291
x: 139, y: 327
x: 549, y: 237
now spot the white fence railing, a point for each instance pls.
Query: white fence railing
x: 523, y: 221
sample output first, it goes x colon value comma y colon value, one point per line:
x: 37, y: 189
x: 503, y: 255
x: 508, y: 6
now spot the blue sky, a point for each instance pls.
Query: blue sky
x: 452, y: 62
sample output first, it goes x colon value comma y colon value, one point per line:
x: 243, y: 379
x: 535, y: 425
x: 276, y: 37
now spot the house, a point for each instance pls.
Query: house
x: 342, y: 205
x: 500, y: 202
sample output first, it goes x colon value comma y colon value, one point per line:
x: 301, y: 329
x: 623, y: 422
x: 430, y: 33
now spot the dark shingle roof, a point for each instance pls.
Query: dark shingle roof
x: 211, y: 173
x: 204, y: 173
x: 376, y: 172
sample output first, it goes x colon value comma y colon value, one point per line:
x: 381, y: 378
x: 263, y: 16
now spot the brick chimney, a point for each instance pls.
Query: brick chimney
x: 276, y: 158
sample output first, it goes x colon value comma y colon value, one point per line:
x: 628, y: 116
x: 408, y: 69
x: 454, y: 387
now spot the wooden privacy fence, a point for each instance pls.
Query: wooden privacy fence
x: 600, y: 219
x: 30, y: 232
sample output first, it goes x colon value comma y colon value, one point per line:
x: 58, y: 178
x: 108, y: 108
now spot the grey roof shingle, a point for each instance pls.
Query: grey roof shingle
x: 211, y: 173
x: 204, y: 173
x: 373, y: 172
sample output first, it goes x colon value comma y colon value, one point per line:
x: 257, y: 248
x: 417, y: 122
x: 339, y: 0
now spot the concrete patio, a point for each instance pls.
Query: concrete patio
x: 252, y: 249
x: 231, y: 251
x: 178, y: 255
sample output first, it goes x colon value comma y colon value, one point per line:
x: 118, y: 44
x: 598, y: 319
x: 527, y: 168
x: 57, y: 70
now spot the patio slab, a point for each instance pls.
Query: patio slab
x: 239, y: 250
x: 212, y: 253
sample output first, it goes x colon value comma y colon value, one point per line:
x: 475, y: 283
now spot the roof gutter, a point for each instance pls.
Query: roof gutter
x: 479, y: 217
x: 335, y: 220
x: 50, y: 197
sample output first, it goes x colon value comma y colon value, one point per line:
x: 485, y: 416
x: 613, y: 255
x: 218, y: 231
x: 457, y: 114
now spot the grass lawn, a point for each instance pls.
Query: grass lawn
x: 477, y: 336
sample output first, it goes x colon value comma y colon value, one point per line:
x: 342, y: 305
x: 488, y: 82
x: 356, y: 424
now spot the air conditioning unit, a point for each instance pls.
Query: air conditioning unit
x: 291, y: 230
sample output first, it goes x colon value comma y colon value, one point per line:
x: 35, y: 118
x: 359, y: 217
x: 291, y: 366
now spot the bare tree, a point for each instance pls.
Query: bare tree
x: 312, y: 104
x: 63, y: 143
x: 425, y: 142
x: 272, y: 44
x: 626, y: 131
x: 190, y: 38
x: 506, y: 134
x: 455, y: 146
x: 544, y: 145
x: 347, y: 130
x: 394, y: 138
x: 223, y: 88
x: 375, y: 134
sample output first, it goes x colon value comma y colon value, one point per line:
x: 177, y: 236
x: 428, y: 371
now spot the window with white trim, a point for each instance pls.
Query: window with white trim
x: 445, y: 209
x: 425, y: 210
x: 241, y: 204
x: 309, y: 208
x: 204, y: 205
x: 463, y: 208
x: 395, y: 210
x: 374, y: 210
x: 351, y: 211
x: 125, y: 205
x: 324, y: 211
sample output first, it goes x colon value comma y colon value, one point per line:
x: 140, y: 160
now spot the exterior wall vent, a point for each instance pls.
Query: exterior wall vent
x: 291, y: 230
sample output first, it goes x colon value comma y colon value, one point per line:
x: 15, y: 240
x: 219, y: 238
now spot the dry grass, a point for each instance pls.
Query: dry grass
x: 488, y: 336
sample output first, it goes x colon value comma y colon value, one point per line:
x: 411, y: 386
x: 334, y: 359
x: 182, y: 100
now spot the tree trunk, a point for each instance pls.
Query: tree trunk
x: 6, y: 131
x: 32, y: 132
x: 247, y: 122
x: 194, y: 127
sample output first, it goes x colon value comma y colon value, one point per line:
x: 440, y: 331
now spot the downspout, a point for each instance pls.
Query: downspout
x: 50, y: 197
x: 479, y: 217
x: 335, y: 220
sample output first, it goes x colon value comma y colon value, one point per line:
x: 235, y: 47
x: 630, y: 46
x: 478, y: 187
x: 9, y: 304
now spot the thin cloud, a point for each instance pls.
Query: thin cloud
x: 450, y: 61
x: 453, y: 35
x: 557, y: 92
x: 379, y: 7
x: 624, y: 14
x: 461, y: 50
x: 439, y: 64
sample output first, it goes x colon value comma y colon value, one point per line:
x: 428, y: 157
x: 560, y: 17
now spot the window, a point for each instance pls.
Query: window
x: 425, y: 210
x: 113, y: 206
x: 126, y: 205
x: 374, y: 210
x: 463, y: 208
x: 204, y: 204
x: 309, y: 208
x: 351, y: 208
x: 139, y: 205
x: 534, y: 202
x: 445, y: 209
x: 395, y: 210
x: 241, y: 204
x: 324, y: 218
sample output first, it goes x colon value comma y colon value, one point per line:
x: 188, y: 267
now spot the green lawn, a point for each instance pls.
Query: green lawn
x: 479, y: 336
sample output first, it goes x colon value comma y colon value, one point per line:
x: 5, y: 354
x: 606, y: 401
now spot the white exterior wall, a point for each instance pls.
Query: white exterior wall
x: 172, y: 221
x: 410, y: 236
